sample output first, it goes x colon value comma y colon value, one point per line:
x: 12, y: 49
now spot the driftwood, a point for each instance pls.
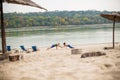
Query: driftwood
x: 14, y: 57
x: 2, y: 57
x: 76, y: 51
x: 107, y: 48
x: 91, y: 54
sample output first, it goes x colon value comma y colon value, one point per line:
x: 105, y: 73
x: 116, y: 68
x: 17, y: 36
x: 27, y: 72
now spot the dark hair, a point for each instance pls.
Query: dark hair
x: 64, y: 43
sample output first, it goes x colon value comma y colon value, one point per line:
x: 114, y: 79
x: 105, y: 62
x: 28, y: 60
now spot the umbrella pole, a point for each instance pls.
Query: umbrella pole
x: 2, y: 29
x: 114, y: 32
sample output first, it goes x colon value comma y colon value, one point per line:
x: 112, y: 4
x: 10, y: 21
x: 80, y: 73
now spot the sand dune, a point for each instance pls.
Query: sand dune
x: 60, y: 64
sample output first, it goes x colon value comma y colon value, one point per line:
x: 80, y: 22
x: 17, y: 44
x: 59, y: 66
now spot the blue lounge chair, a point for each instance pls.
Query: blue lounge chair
x: 8, y: 48
x: 70, y: 46
x: 23, y: 48
x: 34, y: 48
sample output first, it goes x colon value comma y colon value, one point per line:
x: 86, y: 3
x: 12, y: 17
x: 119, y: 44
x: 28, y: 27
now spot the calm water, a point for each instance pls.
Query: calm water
x: 75, y: 35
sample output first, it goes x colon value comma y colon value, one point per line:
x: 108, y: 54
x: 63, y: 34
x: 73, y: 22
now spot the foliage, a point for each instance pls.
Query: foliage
x: 54, y: 18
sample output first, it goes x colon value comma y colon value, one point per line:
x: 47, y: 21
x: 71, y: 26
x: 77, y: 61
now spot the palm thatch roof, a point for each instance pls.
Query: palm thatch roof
x: 24, y: 2
x: 112, y: 16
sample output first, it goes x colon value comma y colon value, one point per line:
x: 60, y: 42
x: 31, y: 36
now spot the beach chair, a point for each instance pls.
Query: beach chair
x: 8, y: 48
x: 23, y: 48
x: 34, y: 48
x: 70, y: 46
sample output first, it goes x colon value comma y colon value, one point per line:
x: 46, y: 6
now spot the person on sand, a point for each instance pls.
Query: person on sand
x: 55, y: 45
x: 67, y: 45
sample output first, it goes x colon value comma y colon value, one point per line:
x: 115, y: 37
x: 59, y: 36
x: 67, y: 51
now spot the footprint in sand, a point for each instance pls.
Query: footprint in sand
x: 63, y: 76
x: 27, y: 78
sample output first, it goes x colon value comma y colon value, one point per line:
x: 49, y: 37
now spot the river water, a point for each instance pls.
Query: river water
x: 74, y: 35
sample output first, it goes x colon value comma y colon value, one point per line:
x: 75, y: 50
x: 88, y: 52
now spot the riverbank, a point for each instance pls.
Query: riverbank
x: 60, y: 64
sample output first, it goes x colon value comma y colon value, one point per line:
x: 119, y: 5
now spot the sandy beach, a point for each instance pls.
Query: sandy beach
x: 60, y: 64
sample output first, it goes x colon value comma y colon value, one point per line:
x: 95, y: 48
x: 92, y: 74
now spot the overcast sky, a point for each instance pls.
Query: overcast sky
x: 61, y: 5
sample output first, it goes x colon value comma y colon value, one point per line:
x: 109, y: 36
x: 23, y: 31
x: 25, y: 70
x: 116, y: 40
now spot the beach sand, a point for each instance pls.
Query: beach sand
x: 60, y: 64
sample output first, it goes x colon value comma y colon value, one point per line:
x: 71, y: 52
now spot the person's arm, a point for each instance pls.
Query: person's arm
x: 60, y: 46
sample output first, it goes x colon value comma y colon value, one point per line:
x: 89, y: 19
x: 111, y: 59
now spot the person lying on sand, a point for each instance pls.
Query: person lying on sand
x: 67, y: 45
x: 54, y: 45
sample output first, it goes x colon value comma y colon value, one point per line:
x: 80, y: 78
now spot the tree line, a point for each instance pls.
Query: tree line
x: 54, y: 18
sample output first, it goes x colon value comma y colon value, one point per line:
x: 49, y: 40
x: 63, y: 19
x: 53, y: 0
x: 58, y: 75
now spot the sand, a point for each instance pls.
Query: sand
x: 60, y: 64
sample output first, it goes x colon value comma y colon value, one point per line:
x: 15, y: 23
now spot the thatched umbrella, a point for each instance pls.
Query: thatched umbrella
x: 23, y: 2
x: 115, y: 17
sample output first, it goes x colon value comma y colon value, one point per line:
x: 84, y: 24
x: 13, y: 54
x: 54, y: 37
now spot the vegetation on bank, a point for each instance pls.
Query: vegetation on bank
x: 54, y: 18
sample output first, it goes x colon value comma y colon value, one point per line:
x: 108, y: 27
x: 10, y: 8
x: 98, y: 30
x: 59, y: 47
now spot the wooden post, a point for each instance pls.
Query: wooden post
x: 3, y: 36
x: 114, y: 32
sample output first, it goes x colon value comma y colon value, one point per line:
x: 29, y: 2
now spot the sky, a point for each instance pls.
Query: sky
x: 62, y: 5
